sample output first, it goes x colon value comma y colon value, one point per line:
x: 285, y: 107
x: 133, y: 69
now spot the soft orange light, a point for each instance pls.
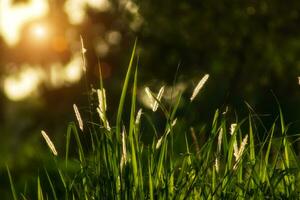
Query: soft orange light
x: 39, y: 31
x: 59, y: 44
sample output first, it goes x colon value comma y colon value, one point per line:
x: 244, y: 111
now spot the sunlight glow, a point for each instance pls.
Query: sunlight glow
x: 21, y: 85
x: 72, y: 72
x: 39, y: 31
x: 14, y: 16
x: 18, y: 87
x: 75, y: 9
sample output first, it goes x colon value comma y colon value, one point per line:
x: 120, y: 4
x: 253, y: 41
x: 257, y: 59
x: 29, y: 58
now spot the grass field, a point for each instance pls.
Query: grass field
x: 237, y: 159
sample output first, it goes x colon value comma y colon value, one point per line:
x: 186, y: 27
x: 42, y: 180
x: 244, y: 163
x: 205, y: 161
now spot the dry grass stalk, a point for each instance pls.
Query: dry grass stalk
x: 195, y: 140
x: 83, y: 51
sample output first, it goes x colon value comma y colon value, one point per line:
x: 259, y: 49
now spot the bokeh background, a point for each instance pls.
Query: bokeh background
x: 251, y: 49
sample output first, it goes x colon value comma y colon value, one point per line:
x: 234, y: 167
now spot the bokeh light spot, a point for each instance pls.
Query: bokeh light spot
x: 20, y: 86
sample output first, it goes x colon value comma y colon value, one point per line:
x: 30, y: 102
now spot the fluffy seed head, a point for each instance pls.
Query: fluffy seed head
x: 78, y: 116
x: 159, y: 96
x: 103, y: 119
x: 232, y: 128
x: 138, y: 117
x: 102, y: 99
x: 158, y: 144
x: 49, y: 143
x: 199, y: 86
x: 124, y: 151
x: 149, y: 94
x: 240, y: 152
x: 242, y: 147
x: 220, y: 139
x: 217, y: 165
x: 153, y: 102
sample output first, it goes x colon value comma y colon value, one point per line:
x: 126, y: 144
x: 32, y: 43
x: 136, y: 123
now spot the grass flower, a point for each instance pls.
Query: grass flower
x: 199, y: 86
x: 49, y: 142
x: 217, y: 165
x: 78, y: 117
x: 240, y: 151
x: 232, y: 128
x: 138, y: 117
x: 102, y: 99
x: 104, y: 120
x: 124, y: 151
x: 158, y: 144
x: 159, y: 96
x: 242, y: 147
x: 154, y: 102
x: 101, y: 109
x: 149, y: 94
x: 220, y: 139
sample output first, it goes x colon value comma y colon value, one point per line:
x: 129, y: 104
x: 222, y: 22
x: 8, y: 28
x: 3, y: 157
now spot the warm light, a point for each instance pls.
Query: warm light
x: 73, y: 70
x: 39, y: 31
x: 23, y: 85
x: 13, y: 16
x: 75, y: 9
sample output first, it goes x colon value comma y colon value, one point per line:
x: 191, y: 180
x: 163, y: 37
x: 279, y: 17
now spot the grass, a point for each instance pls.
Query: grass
x: 238, y: 159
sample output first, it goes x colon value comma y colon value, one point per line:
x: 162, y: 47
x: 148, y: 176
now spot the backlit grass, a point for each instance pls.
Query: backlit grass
x: 237, y: 160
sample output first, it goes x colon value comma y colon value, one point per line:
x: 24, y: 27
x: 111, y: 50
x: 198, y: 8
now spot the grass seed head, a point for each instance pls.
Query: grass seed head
x: 103, y: 119
x: 138, y: 116
x: 232, y: 128
x: 220, y: 139
x: 158, y: 144
x: 124, y: 151
x: 217, y: 165
x: 199, y: 86
x: 149, y: 94
x: 242, y: 147
x: 102, y: 99
x: 159, y: 96
x: 78, y: 117
x: 49, y: 142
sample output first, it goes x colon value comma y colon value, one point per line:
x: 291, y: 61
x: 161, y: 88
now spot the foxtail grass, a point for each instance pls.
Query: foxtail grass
x: 237, y: 160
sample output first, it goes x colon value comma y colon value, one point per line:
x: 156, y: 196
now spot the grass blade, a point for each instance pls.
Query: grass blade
x: 12, y: 187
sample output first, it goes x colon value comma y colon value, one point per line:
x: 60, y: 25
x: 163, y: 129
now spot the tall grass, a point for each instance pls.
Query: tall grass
x: 113, y: 163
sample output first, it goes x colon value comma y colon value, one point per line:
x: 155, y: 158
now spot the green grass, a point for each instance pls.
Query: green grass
x: 114, y: 163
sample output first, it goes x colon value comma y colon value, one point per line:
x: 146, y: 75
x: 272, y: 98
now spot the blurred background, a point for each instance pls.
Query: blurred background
x: 251, y: 49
